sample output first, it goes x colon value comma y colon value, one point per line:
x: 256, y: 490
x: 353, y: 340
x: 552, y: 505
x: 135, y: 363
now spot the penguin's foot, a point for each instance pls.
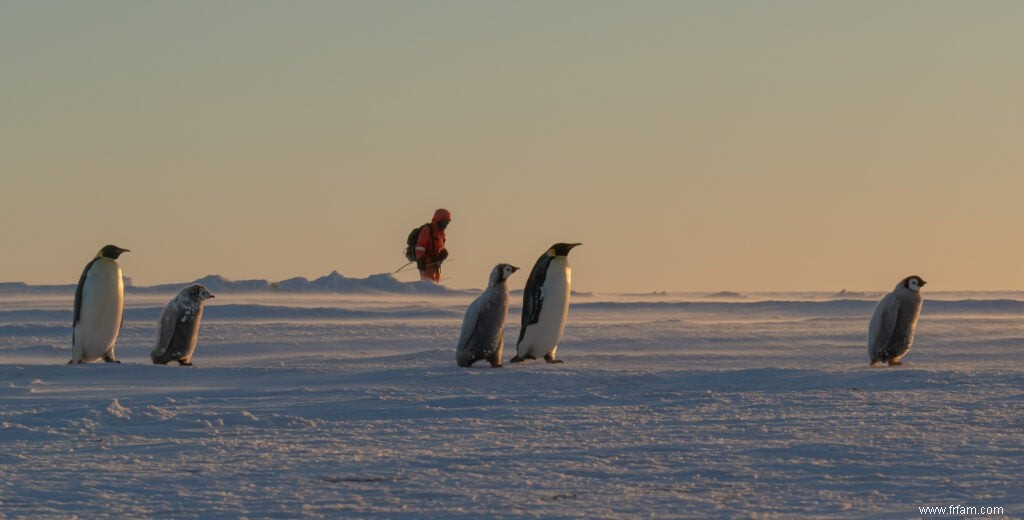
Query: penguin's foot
x: 516, y: 359
x: 185, y: 363
x: 109, y: 359
x: 551, y: 359
x: 895, y: 363
x: 874, y: 362
x: 494, y: 359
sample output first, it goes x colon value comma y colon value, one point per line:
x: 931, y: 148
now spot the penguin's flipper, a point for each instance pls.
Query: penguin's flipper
x: 883, y: 326
x: 168, y: 323
x: 469, y: 325
x: 78, y: 294
x: 533, y: 294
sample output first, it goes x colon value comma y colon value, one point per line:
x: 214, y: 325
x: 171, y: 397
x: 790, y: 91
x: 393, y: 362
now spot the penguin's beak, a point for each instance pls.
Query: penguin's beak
x: 514, y: 268
x: 923, y: 283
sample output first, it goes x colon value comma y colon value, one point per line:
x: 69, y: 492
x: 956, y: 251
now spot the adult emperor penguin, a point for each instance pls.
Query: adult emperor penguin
x: 892, y: 326
x: 179, y: 326
x: 483, y: 326
x: 99, y: 308
x: 545, y: 305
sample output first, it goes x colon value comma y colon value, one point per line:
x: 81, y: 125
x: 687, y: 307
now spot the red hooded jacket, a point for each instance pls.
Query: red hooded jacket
x: 431, y: 241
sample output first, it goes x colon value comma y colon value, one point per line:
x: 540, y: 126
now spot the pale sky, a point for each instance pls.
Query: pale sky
x: 690, y: 146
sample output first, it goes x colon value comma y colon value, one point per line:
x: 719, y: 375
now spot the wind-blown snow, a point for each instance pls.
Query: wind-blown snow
x: 383, y: 283
x: 331, y: 406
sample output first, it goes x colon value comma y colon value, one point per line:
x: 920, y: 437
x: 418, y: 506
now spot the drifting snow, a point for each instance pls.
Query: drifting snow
x: 330, y: 406
x: 334, y: 282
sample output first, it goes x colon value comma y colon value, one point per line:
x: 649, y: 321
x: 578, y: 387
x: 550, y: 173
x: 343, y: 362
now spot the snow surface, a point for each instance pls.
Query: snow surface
x: 351, y: 405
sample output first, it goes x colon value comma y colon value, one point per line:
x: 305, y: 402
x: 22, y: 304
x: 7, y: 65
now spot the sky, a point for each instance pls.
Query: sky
x: 689, y: 145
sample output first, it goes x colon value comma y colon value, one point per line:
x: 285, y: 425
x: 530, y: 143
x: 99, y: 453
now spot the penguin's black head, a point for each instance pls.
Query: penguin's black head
x: 198, y: 292
x: 561, y: 249
x: 914, y: 283
x: 111, y: 251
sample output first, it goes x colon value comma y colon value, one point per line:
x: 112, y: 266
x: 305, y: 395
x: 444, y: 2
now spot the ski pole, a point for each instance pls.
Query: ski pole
x: 400, y: 269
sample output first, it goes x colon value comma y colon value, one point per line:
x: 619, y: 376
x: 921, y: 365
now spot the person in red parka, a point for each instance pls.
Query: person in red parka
x: 430, y: 251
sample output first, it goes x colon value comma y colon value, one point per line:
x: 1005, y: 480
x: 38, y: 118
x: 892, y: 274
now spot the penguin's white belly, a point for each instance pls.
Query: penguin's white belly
x: 542, y: 338
x: 102, y: 306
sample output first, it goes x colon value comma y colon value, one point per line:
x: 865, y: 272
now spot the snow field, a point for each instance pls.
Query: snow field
x: 348, y: 408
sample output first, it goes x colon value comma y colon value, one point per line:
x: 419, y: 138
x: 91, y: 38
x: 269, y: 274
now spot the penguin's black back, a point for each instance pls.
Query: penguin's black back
x: 533, y: 295
x: 78, y: 293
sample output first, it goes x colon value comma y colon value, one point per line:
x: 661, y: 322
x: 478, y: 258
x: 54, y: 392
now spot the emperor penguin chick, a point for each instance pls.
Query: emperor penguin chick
x: 892, y: 328
x: 483, y: 327
x: 179, y: 326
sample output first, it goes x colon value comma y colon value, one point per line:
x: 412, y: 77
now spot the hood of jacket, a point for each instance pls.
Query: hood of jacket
x: 441, y: 214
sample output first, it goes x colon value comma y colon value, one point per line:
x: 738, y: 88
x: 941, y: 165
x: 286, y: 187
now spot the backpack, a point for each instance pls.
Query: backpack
x: 410, y: 243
